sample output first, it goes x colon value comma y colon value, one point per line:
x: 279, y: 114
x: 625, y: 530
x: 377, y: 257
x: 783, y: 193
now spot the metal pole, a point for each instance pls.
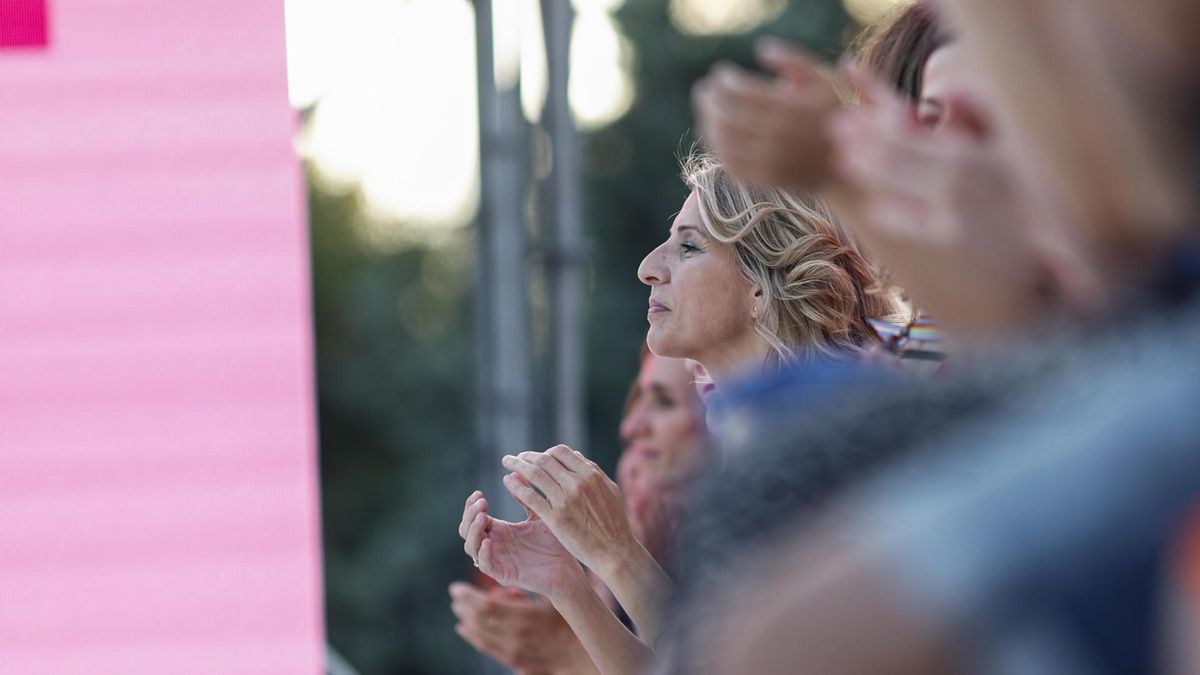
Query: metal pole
x: 567, y: 247
x: 506, y: 399
x: 503, y: 356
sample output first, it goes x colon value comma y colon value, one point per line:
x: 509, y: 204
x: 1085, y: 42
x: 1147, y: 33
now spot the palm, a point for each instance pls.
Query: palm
x: 529, y: 556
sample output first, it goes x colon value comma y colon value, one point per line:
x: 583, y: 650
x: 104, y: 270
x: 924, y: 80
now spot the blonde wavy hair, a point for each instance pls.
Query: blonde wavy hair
x: 818, y: 286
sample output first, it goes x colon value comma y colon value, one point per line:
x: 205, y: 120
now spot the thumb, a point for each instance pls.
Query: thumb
x: 787, y: 61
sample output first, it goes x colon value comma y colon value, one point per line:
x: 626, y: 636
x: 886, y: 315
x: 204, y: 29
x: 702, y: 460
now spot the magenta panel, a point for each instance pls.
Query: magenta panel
x: 158, y: 501
x: 22, y: 23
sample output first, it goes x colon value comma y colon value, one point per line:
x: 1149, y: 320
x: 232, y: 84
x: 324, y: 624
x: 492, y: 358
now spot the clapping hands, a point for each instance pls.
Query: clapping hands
x: 581, y: 506
x: 525, y: 554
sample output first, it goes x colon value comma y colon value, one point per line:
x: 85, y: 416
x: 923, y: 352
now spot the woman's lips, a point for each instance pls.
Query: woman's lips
x: 656, y: 307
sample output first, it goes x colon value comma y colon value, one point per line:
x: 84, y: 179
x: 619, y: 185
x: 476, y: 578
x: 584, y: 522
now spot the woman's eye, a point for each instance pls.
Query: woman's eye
x: 688, y: 248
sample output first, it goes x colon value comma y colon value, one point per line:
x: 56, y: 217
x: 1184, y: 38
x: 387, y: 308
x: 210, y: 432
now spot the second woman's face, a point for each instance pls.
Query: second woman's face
x: 663, y: 431
x: 700, y: 303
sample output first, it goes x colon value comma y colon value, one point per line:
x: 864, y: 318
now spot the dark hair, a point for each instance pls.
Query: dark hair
x: 897, y: 47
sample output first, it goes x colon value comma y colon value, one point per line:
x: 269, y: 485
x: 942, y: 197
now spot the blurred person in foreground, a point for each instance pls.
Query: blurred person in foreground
x: 1039, y: 531
x: 920, y: 173
x: 749, y: 281
x: 664, y: 445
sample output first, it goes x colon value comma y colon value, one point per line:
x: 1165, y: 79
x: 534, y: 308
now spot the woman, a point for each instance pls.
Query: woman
x: 749, y: 280
x: 664, y: 446
x: 754, y: 278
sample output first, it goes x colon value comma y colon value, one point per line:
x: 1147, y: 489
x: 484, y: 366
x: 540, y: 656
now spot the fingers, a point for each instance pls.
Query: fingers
x: 485, y: 643
x: 571, y: 459
x: 735, y: 99
x: 540, y: 470
x: 766, y: 131
x: 720, y: 110
x: 579, y: 468
x: 467, y: 601
x: 486, y: 558
x: 475, y: 505
x: 487, y: 611
x: 526, y: 495
x: 875, y: 157
x: 870, y: 88
x: 787, y: 61
x: 530, y: 514
x: 475, y: 535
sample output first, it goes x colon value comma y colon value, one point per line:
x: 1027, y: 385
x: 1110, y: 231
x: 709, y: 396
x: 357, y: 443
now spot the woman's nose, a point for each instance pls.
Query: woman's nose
x: 633, y: 426
x: 653, y: 270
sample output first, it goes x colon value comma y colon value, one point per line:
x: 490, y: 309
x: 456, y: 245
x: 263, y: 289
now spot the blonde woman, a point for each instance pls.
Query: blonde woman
x: 749, y: 280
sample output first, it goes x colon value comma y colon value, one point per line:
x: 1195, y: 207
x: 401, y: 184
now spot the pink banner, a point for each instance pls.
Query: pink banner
x: 158, y: 501
x: 22, y: 23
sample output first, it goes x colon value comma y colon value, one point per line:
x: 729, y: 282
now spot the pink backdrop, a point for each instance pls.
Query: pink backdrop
x: 158, y: 507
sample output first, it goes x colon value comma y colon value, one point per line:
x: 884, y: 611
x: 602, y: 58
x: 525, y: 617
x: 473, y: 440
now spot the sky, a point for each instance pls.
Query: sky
x: 394, y: 84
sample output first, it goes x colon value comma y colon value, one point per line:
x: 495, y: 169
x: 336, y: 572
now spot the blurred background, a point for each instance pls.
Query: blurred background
x: 461, y: 311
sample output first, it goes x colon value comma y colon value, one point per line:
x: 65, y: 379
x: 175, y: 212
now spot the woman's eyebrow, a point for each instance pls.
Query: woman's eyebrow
x: 693, y: 228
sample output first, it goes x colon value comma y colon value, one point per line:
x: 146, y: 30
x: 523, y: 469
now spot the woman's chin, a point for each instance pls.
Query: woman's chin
x: 661, y: 344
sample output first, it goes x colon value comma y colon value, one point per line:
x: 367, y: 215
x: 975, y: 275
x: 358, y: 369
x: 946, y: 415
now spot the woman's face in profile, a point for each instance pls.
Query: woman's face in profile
x: 700, y: 303
x: 663, y: 430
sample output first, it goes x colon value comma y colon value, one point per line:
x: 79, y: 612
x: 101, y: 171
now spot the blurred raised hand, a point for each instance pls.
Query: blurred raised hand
x: 769, y: 130
x: 526, y: 634
x: 943, y: 211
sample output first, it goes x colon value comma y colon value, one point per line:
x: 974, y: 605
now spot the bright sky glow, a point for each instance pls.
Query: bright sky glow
x: 710, y: 17
x: 870, y: 11
x: 397, y: 112
x: 395, y: 81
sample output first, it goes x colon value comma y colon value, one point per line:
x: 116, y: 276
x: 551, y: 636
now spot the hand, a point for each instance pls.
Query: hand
x: 527, y: 635
x: 582, y: 507
x: 944, y: 212
x: 524, y: 554
x: 769, y: 131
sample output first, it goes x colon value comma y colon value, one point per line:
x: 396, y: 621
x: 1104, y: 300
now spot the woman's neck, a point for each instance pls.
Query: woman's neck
x: 746, y: 360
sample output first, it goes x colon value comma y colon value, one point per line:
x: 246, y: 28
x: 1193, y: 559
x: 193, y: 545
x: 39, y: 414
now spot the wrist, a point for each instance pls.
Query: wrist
x: 624, y: 563
x: 570, y: 589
